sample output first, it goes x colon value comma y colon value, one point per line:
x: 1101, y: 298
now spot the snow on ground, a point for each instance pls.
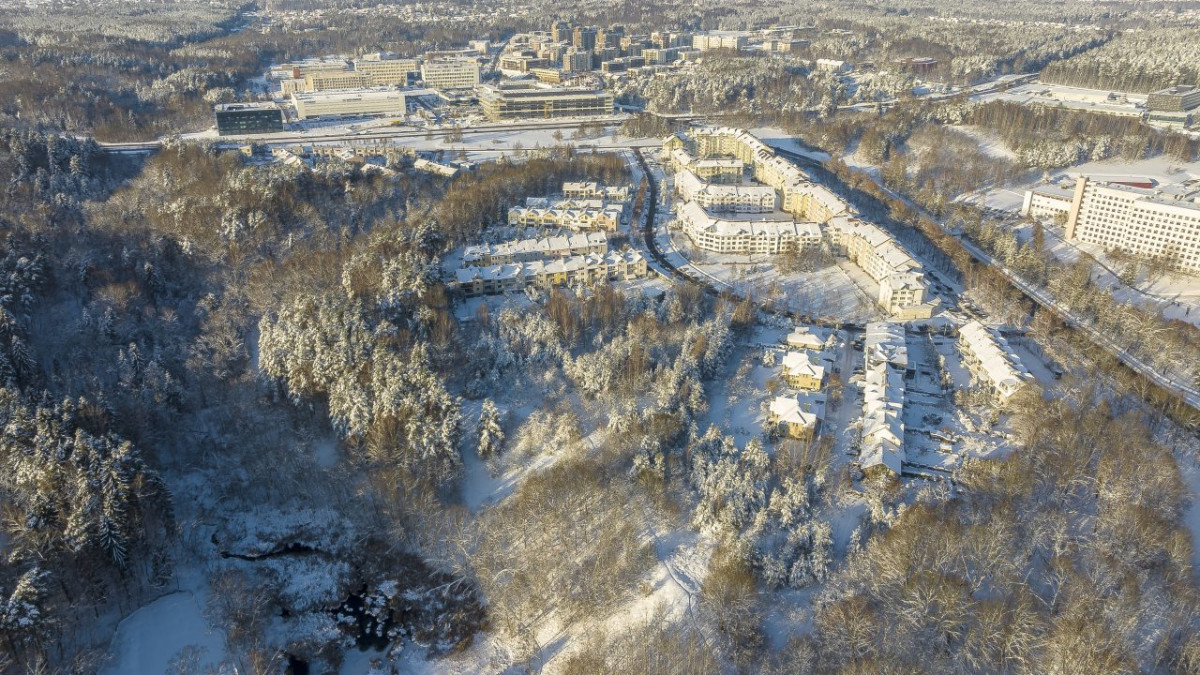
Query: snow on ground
x: 989, y: 143
x: 1176, y: 295
x: 147, y: 640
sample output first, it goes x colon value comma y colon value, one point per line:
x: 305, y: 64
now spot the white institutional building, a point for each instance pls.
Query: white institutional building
x: 1139, y: 220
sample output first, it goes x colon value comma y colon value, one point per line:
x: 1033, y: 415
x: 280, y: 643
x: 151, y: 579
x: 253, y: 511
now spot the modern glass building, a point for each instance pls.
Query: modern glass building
x: 248, y: 118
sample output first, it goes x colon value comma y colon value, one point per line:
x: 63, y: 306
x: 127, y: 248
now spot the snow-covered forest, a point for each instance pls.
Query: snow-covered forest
x: 248, y: 423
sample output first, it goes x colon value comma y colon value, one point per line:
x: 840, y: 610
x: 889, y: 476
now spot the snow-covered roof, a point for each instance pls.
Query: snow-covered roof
x: 797, y: 364
x: 804, y: 340
x: 997, y: 362
x: 787, y: 409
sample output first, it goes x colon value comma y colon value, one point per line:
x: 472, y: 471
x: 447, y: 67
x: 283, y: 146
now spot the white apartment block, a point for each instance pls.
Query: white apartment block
x: 715, y: 40
x: 992, y: 363
x: 902, y: 287
x: 450, y: 74
x: 529, y: 250
x: 725, y: 198
x: 545, y: 274
x: 1140, y: 221
x: 753, y: 234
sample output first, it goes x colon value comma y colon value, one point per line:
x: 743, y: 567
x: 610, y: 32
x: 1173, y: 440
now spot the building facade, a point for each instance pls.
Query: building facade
x: 248, y: 118
x: 1145, y: 222
x: 349, y: 102
x: 536, y: 100
x: 450, y: 74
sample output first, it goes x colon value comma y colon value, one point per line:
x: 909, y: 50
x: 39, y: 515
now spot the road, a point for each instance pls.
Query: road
x: 1184, y: 390
x: 707, y: 283
x: 369, y: 135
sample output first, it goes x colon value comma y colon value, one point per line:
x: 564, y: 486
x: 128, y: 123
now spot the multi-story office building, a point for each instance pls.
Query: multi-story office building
x: 1141, y: 221
x: 328, y: 81
x: 349, y: 102
x: 248, y: 118
x: 450, y: 74
x: 388, y: 72
x: 298, y: 69
x: 531, y: 100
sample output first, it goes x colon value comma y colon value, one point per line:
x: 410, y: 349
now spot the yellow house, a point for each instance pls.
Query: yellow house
x: 800, y: 372
x: 786, y: 415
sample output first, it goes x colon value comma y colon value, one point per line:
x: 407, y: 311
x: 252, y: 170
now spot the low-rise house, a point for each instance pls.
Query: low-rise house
x: 800, y: 372
x: 529, y: 250
x: 881, y: 441
x: 788, y: 416
x: 802, y: 339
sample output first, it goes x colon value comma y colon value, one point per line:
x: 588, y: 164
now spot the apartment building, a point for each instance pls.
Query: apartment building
x: 802, y: 372
x: 455, y: 74
x: 902, y: 287
x: 533, y: 100
x: 725, y: 198
x: 349, y: 102
x: 594, y: 190
x: 585, y: 270
x: 993, y: 364
x: 881, y: 440
x: 529, y: 250
x: 720, y: 40
x: 748, y: 233
x: 1141, y: 221
x: 572, y: 214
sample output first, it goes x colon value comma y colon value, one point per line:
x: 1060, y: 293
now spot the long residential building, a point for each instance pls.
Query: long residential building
x: 594, y: 190
x: 881, y: 441
x: 722, y: 197
x: 349, y: 102
x: 752, y: 233
x: 902, y: 286
x: 544, y: 274
x: 536, y: 100
x: 993, y: 364
x: 572, y: 214
x: 529, y: 250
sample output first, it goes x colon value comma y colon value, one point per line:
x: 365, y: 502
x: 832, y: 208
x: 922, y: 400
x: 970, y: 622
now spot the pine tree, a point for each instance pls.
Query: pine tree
x: 491, y: 431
